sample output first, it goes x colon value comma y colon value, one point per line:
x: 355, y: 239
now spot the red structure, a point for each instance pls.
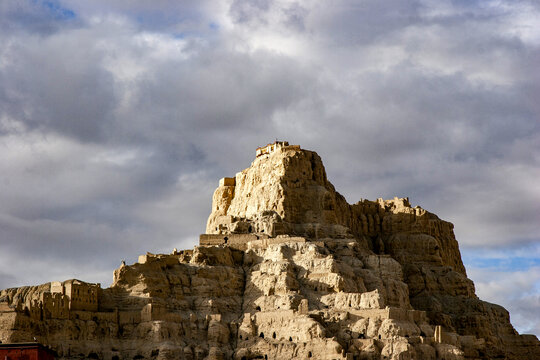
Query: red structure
x: 25, y: 351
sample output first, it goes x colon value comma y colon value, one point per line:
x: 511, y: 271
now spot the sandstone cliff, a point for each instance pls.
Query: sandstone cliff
x: 287, y: 269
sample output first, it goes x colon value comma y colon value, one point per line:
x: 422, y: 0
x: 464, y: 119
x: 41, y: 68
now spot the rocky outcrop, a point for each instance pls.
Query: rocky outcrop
x: 287, y: 269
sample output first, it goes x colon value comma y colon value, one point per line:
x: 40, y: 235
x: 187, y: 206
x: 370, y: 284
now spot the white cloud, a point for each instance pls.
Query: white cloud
x: 517, y: 291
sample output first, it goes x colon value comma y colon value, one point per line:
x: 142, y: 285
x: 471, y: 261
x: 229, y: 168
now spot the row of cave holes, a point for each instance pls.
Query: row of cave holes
x: 250, y: 230
x: 261, y: 335
x: 116, y: 357
x: 360, y: 336
x: 266, y: 356
x: 93, y: 355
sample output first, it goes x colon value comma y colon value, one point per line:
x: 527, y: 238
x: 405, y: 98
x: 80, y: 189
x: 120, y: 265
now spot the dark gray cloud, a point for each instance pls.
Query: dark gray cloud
x: 57, y: 84
x: 118, y: 117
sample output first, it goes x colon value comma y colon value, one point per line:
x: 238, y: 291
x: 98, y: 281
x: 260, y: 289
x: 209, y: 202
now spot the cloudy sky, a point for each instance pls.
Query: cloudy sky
x: 117, y: 118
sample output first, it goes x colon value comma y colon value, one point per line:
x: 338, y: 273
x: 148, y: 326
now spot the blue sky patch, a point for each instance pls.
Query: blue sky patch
x: 519, y: 259
x: 58, y: 11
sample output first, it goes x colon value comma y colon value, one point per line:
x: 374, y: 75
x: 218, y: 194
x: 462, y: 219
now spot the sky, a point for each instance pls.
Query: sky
x: 117, y: 118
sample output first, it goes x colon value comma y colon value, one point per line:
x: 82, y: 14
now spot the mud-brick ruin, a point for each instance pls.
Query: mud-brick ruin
x: 286, y: 269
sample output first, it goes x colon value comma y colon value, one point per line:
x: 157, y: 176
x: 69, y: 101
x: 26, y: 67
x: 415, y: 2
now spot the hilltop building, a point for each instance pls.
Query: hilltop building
x: 81, y: 295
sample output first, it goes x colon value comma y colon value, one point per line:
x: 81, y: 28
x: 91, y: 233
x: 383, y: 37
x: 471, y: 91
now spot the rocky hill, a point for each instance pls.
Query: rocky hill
x: 287, y: 269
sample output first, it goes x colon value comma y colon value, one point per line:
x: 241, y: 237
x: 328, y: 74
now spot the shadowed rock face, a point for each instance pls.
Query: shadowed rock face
x: 288, y: 269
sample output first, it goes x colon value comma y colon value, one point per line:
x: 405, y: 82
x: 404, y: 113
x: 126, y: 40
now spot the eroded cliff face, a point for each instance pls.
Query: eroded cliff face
x: 283, y: 192
x: 288, y: 269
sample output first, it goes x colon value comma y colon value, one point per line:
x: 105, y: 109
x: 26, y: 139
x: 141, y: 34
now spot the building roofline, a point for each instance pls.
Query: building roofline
x: 275, y: 142
x: 24, y: 345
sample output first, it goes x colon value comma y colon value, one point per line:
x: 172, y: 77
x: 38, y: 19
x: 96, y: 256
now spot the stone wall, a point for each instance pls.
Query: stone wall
x: 81, y: 295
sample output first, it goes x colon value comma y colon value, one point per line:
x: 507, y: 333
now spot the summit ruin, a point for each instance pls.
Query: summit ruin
x: 286, y: 269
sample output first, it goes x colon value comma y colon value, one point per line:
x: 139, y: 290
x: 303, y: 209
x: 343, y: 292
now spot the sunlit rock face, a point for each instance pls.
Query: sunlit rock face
x: 287, y: 269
